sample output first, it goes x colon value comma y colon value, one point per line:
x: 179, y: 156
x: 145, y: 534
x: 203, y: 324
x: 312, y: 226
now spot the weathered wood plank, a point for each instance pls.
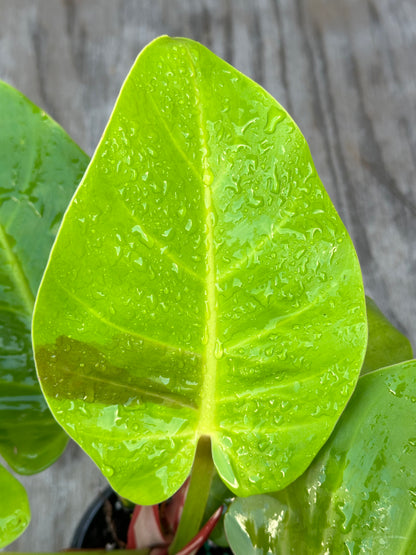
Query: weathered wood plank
x: 345, y: 70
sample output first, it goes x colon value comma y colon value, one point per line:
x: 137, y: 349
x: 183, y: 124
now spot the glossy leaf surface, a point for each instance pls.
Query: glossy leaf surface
x: 201, y: 284
x: 39, y: 169
x: 386, y: 345
x: 359, y: 494
x: 15, y: 514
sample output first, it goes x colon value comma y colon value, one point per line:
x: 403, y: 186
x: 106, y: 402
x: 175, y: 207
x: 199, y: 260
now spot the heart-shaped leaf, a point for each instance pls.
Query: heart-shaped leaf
x: 359, y: 494
x: 201, y: 284
x: 386, y: 345
x: 15, y: 514
x: 39, y: 169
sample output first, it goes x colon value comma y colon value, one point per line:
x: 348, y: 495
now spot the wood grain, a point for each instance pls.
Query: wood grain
x: 345, y: 70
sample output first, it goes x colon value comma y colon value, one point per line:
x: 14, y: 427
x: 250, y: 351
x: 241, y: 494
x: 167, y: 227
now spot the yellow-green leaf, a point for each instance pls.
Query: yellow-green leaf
x: 202, y: 283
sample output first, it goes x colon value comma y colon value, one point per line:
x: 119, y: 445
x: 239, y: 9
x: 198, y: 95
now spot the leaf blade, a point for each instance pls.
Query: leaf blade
x: 217, y: 256
x: 386, y: 345
x: 39, y: 167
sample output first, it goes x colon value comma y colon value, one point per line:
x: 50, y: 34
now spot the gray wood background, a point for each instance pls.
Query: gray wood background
x: 345, y: 70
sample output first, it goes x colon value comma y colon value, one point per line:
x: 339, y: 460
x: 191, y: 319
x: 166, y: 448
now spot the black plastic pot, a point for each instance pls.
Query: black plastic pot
x: 105, y: 523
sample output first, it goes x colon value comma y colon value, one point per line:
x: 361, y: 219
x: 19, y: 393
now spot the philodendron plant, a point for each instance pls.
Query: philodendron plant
x: 201, y: 326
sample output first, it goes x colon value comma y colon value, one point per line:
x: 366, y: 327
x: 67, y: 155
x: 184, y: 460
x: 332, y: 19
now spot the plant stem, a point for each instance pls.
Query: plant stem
x: 197, y: 496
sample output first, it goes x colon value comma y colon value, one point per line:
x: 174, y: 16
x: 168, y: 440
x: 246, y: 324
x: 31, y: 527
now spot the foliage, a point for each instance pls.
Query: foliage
x: 202, y: 305
x: 39, y: 168
x: 202, y: 284
x: 386, y: 345
x: 358, y: 494
x: 15, y: 512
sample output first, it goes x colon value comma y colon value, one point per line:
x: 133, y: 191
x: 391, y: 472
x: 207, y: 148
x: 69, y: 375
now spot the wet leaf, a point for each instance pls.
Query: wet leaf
x: 39, y: 169
x: 358, y: 495
x: 201, y: 284
x: 386, y: 345
x: 15, y: 514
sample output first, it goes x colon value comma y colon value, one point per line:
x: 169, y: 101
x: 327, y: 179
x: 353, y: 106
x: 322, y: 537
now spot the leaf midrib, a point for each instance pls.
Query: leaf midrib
x: 207, y: 394
x: 17, y: 273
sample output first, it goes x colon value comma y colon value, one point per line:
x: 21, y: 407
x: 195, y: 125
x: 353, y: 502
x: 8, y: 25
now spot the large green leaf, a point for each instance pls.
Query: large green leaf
x: 15, y: 514
x: 359, y: 494
x: 201, y: 284
x: 39, y: 169
x: 386, y: 345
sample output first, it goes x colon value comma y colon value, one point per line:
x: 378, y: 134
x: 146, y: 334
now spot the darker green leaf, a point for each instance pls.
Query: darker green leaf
x: 15, y: 514
x: 39, y: 169
x: 386, y: 345
x: 358, y: 495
